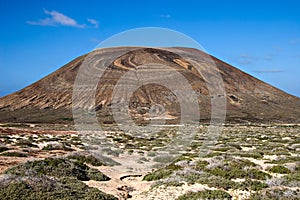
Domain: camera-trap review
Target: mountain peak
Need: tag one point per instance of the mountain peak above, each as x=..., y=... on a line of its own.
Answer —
x=49, y=100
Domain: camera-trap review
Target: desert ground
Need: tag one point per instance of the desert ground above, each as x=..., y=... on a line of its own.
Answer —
x=253, y=161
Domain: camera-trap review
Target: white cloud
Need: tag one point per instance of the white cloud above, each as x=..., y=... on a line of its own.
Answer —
x=165, y=16
x=56, y=19
x=94, y=22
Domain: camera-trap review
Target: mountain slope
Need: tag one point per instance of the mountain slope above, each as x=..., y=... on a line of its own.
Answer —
x=49, y=100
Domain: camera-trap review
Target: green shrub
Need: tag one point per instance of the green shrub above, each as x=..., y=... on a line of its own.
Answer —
x=118, y=139
x=13, y=154
x=26, y=143
x=286, y=160
x=235, y=168
x=67, y=119
x=293, y=178
x=158, y=174
x=279, y=169
x=206, y=194
x=237, y=146
x=51, y=178
x=94, y=174
x=130, y=151
x=191, y=177
x=248, y=184
x=185, y=157
x=45, y=188
x=222, y=149
x=89, y=159
x=212, y=154
x=228, y=174
x=257, y=174
x=51, y=147
x=57, y=167
x=162, y=173
x=167, y=183
x=2, y=149
x=255, y=155
x=217, y=182
x=201, y=164
x=149, y=154
x=275, y=194
x=6, y=140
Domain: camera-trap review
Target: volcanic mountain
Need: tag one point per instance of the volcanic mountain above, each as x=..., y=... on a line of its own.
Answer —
x=51, y=99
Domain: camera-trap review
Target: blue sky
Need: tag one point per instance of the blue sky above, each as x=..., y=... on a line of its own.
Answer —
x=261, y=38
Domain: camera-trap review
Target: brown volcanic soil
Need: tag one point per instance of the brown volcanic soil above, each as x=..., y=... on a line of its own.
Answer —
x=248, y=99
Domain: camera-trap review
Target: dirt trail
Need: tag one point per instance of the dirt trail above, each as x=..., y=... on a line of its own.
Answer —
x=131, y=185
x=126, y=179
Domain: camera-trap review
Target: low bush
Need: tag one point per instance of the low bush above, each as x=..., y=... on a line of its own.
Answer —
x=279, y=169
x=26, y=143
x=222, y=149
x=161, y=173
x=217, y=182
x=13, y=154
x=236, y=168
x=201, y=164
x=275, y=194
x=89, y=159
x=257, y=174
x=286, y=160
x=255, y=155
x=249, y=184
x=94, y=174
x=3, y=148
x=45, y=188
x=206, y=194
x=57, y=167
x=158, y=174
x=212, y=154
x=51, y=147
x=292, y=179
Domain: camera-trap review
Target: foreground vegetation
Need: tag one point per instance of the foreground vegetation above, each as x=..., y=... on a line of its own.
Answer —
x=256, y=162
x=51, y=178
x=261, y=162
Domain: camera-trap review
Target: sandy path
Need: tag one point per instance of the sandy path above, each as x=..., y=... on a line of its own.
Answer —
x=132, y=184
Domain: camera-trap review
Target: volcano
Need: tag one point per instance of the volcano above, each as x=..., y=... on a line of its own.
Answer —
x=247, y=99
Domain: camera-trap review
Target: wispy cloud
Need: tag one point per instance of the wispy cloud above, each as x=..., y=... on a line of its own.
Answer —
x=94, y=22
x=295, y=41
x=297, y=55
x=277, y=49
x=268, y=58
x=165, y=16
x=56, y=19
x=246, y=59
x=95, y=40
x=268, y=71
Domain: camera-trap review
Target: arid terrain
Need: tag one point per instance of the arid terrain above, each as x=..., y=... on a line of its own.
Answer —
x=247, y=162
x=50, y=149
